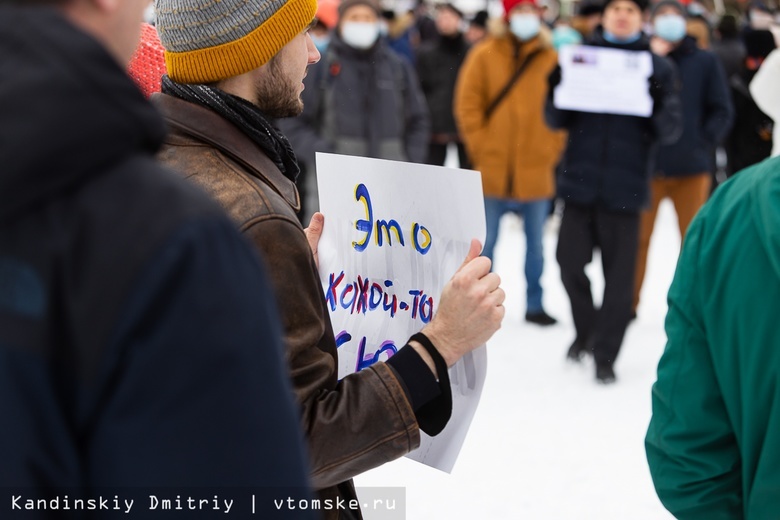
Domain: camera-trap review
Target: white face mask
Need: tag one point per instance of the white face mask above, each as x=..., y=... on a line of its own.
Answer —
x=524, y=25
x=360, y=35
x=760, y=20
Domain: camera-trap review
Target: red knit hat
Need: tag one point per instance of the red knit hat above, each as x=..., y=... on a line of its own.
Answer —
x=511, y=4
x=147, y=65
x=327, y=12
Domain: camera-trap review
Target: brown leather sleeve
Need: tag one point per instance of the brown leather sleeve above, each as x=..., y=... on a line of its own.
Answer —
x=354, y=424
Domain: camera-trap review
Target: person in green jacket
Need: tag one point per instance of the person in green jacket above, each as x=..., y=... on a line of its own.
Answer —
x=713, y=441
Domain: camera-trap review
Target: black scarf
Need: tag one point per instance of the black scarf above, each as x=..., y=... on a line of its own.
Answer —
x=245, y=116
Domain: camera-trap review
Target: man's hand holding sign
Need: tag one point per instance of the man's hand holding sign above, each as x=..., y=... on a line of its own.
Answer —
x=395, y=280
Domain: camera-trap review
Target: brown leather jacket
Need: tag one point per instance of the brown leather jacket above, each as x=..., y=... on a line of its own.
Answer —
x=354, y=424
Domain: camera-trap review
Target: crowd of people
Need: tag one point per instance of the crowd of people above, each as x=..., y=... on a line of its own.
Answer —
x=160, y=295
x=490, y=101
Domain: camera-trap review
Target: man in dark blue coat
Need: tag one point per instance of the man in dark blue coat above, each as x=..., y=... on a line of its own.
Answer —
x=604, y=183
x=140, y=349
x=683, y=170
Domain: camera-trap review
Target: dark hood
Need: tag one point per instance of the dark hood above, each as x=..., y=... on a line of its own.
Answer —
x=69, y=111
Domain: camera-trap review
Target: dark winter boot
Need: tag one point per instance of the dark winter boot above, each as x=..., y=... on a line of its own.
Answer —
x=540, y=318
x=577, y=351
x=605, y=375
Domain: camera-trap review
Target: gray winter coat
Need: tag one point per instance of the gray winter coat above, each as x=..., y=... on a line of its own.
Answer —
x=367, y=103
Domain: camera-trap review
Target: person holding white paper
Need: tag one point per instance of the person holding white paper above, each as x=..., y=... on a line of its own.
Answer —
x=230, y=70
x=604, y=183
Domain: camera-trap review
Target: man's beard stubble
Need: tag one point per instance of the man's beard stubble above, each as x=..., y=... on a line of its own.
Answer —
x=277, y=98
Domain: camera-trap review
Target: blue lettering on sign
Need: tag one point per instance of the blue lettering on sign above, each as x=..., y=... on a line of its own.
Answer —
x=366, y=226
x=362, y=295
x=342, y=337
x=366, y=360
x=381, y=229
x=426, y=245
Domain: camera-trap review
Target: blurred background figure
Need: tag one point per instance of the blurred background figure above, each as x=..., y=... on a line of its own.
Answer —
x=565, y=34
x=697, y=23
x=683, y=170
x=478, y=27
x=765, y=90
x=327, y=17
x=730, y=50
x=399, y=28
x=424, y=22
x=728, y=46
x=438, y=64
x=759, y=17
x=499, y=108
x=588, y=18
x=750, y=141
x=361, y=98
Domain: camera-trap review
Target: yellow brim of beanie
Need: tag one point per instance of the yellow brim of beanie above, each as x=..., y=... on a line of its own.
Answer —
x=247, y=53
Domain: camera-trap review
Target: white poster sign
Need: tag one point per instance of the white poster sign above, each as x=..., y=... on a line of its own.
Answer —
x=604, y=81
x=395, y=233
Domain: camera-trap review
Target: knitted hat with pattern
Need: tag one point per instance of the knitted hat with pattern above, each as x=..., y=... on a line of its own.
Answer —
x=212, y=40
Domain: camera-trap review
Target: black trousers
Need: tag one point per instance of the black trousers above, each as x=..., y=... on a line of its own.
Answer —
x=584, y=228
x=437, y=153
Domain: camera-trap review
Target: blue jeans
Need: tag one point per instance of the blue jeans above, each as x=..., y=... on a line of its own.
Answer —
x=534, y=214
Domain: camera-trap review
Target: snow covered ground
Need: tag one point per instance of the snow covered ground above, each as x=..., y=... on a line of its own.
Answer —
x=547, y=441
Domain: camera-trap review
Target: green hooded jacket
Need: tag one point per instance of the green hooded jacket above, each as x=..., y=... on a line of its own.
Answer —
x=713, y=444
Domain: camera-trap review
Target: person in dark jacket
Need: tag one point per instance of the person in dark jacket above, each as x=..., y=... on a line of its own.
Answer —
x=139, y=340
x=750, y=141
x=438, y=63
x=604, y=183
x=221, y=139
x=728, y=46
x=361, y=98
x=683, y=170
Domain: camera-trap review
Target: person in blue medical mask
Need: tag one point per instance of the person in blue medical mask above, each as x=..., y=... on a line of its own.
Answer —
x=683, y=170
x=604, y=182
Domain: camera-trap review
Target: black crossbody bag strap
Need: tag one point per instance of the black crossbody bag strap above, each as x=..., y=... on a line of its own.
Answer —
x=501, y=95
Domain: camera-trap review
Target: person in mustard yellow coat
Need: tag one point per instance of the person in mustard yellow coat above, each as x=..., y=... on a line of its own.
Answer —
x=506, y=136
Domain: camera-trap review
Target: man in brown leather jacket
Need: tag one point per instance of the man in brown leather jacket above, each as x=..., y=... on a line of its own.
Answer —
x=231, y=65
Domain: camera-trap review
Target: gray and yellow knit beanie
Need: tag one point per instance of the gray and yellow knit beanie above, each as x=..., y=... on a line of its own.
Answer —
x=212, y=40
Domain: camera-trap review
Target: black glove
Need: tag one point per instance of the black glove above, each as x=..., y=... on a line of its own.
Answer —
x=554, y=79
x=656, y=92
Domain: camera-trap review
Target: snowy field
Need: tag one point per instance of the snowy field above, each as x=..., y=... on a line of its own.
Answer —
x=548, y=442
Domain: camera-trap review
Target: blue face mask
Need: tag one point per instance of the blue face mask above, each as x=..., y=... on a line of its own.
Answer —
x=524, y=25
x=670, y=27
x=321, y=42
x=611, y=38
x=564, y=35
